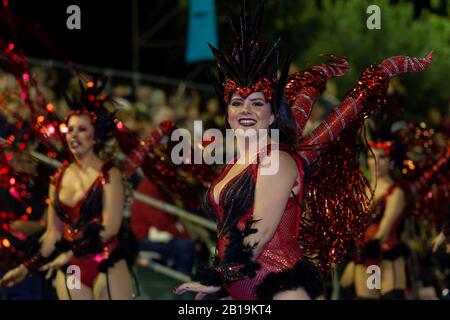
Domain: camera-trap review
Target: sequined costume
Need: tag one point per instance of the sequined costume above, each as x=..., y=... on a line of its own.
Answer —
x=335, y=192
x=81, y=231
x=281, y=258
x=80, y=222
x=390, y=249
x=319, y=226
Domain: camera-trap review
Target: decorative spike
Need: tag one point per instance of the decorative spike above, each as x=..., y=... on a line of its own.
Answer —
x=257, y=60
x=270, y=54
x=258, y=21
x=250, y=62
x=283, y=79
x=233, y=23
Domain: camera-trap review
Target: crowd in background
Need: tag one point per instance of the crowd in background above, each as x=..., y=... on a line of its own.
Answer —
x=141, y=108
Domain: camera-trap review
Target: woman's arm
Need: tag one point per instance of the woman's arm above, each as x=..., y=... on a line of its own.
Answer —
x=53, y=232
x=113, y=199
x=394, y=207
x=271, y=196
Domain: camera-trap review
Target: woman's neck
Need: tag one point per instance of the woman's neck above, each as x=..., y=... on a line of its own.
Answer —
x=88, y=160
x=249, y=148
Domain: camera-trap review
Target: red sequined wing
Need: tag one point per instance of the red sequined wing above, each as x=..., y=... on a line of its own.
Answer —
x=336, y=203
x=303, y=88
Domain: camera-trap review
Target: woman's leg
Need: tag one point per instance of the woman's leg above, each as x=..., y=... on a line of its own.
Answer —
x=115, y=284
x=394, y=284
x=361, y=288
x=348, y=276
x=297, y=294
x=400, y=273
x=387, y=276
x=347, y=282
x=64, y=293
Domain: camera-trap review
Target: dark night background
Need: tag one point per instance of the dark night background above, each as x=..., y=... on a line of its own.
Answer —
x=105, y=38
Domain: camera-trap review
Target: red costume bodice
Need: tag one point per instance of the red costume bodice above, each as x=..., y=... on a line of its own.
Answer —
x=282, y=252
x=77, y=219
x=377, y=213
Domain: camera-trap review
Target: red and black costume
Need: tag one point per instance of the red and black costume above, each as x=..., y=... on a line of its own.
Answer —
x=325, y=228
x=372, y=251
x=83, y=222
x=281, y=264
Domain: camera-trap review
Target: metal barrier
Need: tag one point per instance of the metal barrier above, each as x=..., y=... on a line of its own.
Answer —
x=166, y=207
x=122, y=74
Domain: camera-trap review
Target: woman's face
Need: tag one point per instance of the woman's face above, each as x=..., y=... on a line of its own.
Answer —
x=378, y=165
x=80, y=136
x=252, y=112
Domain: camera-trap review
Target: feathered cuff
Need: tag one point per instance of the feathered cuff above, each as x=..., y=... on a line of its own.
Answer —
x=230, y=272
x=63, y=245
x=35, y=262
x=208, y=277
x=227, y=272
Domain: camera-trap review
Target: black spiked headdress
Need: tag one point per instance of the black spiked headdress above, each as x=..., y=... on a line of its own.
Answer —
x=251, y=66
x=91, y=102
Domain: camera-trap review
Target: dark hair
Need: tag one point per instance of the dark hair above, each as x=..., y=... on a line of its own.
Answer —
x=380, y=129
x=285, y=122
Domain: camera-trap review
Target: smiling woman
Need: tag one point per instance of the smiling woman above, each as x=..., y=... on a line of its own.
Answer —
x=269, y=245
x=251, y=112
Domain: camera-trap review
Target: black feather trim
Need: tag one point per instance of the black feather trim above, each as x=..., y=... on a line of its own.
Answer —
x=400, y=250
x=396, y=294
x=371, y=251
x=90, y=242
x=302, y=275
x=35, y=262
x=113, y=258
x=63, y=245
x=208, y=276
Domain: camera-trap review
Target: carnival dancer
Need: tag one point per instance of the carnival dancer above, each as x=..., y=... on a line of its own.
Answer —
x=260, y=219
x=85, y=211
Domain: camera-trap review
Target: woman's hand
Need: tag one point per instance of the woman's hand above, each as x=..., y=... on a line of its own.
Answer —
x=14, y=276
x=202, y=290
x=27, y=227
x=438, y=241
x=56, y=264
